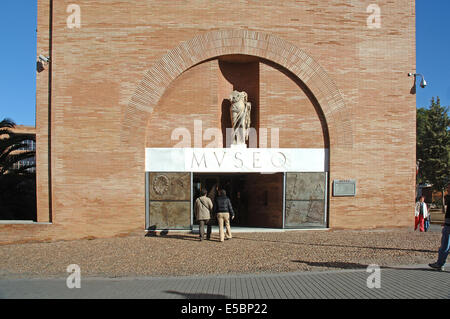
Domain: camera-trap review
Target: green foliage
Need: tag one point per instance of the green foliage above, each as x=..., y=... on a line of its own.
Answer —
x=10, y=144
x=433, y=144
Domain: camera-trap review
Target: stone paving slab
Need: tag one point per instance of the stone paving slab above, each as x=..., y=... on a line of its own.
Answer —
x=403, y=282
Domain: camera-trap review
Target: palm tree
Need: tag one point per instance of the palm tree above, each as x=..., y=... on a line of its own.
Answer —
x=11, y=149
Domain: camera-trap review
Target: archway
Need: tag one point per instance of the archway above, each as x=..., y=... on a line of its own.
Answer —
x=227, y=42
x=211, y=45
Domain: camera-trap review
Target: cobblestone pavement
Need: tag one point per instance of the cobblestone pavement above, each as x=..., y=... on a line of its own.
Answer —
x=401, y=282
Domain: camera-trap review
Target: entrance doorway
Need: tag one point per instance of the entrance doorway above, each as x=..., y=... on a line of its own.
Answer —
x=294, y=200
x=257, y=198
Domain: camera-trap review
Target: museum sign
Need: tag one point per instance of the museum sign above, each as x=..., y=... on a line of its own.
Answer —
x=236, y=159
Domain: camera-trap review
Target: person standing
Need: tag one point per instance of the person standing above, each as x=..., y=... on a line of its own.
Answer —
x=427, y=222
x=445, y=243
x=224, y=210
x=421, y=212
x=203, y=207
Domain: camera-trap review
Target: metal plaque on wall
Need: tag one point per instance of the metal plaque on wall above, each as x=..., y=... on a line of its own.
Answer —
x=344, y=187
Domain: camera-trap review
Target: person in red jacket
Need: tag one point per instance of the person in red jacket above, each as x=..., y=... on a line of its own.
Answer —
x=421, y=213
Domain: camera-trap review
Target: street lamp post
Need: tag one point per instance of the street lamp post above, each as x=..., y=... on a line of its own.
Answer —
x=423, y=83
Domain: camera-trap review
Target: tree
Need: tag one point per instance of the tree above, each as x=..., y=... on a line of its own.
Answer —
x=422, y=118
x=433, y=145
x=11, y=145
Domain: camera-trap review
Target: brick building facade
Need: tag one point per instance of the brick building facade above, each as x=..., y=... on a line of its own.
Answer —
x=133, y=71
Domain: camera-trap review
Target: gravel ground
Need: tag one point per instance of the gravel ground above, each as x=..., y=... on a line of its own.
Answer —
x=184, y=254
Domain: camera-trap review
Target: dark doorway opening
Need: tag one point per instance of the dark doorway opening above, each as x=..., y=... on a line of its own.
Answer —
x=257, y=199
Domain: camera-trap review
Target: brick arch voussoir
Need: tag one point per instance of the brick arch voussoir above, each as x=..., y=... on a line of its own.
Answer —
x=217, y=43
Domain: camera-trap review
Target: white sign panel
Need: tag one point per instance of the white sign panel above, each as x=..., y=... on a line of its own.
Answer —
x=236, y=159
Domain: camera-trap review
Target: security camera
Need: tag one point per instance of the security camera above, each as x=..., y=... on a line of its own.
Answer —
x=42, y=62
x=44, y=58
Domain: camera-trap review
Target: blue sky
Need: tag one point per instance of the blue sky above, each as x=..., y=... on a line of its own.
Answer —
x=18, y=61
x=18, y=56
x=433, y=50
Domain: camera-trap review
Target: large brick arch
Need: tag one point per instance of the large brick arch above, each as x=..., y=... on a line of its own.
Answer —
x=224, y=42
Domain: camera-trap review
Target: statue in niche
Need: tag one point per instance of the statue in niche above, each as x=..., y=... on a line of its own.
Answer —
x=240, y=117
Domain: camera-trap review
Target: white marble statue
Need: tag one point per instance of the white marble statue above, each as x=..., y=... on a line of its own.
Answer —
x=240, y=117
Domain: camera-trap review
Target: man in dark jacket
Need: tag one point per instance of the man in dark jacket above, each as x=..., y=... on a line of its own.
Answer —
x=224, y=210
x=445, y=243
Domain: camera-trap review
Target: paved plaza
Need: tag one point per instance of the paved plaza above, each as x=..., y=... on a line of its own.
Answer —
x=282, y=265
x=403, y=282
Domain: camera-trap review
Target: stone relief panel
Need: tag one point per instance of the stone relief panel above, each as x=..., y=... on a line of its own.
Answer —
x=170, y=215
x=305, y=200
x=170, y=186
x=305, y=186
x=304, y=213
x=170, y=200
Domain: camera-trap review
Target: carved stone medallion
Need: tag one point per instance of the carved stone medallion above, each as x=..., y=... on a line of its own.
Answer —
x=161, y=184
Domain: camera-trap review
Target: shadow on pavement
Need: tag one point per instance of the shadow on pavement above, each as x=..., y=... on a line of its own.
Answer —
x=335, y=245
x=346, y=265
x=197, y=296
x=332, y=264
x=165, y=234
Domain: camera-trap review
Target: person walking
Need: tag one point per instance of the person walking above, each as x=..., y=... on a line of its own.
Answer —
x=203, y=207
x=224, y=210
x=445, y=243
x=427, y=222
x=421, y=212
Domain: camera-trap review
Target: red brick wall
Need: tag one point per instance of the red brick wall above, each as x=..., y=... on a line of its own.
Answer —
x=97, y=181
x=43, y=126
x=192, y=96
x=285, y=106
